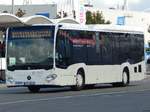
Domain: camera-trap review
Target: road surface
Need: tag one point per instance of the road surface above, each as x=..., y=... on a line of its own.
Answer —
x=103, y=98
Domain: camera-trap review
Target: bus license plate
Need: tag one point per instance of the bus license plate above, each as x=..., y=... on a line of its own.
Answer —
x=29, y=83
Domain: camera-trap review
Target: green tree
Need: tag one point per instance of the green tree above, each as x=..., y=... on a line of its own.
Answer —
x=89, y=19
x=99, y=18
x=108, y=22
x=95, y=18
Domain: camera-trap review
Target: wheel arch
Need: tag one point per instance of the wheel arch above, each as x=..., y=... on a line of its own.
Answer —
x=127, y=70
x=81, y=69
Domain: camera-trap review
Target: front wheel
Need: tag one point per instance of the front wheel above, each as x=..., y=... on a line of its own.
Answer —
x=34, y=89
x=79, y=82
x=125, y=78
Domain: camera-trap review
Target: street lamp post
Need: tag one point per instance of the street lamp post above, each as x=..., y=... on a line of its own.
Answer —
x=12, y=10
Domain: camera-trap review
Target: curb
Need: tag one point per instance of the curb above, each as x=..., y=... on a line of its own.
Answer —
x=3, y=86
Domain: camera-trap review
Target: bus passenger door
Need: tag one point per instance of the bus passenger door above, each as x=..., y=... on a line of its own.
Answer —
x=93, y=57
x=108, y=69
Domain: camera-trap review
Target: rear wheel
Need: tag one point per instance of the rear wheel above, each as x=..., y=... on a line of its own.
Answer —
x=34, y=89
x=79, y=82
x=125, y=78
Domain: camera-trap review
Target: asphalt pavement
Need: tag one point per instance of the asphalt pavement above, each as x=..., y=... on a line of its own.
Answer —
x=103, y=98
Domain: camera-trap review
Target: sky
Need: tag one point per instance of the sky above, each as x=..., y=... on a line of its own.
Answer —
x=137, y=5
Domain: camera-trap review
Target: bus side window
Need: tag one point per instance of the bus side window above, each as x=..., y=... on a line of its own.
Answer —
x=97, y=42
x=106, y=48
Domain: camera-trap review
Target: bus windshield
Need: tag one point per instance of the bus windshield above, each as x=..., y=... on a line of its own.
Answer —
x=30, y=48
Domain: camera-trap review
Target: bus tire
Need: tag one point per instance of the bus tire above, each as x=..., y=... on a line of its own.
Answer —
x=34, y=89
x=80, y=82
x=125, y=78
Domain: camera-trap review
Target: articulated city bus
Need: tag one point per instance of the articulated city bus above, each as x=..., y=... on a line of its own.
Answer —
x=73, y=55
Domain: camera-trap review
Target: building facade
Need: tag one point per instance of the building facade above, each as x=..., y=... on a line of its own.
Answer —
x=49, y=10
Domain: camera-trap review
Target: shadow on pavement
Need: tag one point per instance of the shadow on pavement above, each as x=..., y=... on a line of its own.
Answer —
x=24, y=90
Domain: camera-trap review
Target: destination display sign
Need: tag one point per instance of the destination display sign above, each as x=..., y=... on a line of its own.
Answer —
x=32, y=34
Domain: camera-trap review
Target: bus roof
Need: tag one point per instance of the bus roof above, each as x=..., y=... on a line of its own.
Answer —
x=104, y=28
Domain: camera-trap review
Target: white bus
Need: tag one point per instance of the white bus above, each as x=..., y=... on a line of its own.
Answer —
x=73, y=55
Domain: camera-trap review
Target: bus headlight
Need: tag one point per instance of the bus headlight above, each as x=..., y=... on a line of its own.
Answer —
x=51, y=77
x=10, y=79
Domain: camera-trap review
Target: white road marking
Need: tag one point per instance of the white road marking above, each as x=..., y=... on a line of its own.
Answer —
x=69, y=97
